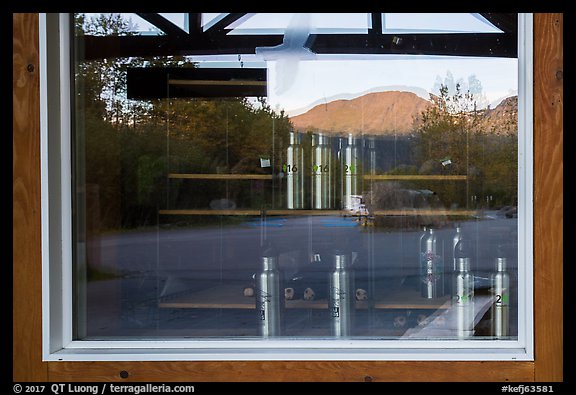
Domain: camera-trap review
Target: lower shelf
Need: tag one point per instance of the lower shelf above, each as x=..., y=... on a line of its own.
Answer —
x=231, y=297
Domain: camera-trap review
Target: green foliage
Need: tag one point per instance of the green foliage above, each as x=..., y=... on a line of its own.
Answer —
x=456, y=138
x=127, y=148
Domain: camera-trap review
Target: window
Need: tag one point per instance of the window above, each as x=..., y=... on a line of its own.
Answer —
x=297, y=185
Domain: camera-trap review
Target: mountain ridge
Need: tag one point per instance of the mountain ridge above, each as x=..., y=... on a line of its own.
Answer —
x=385, y=113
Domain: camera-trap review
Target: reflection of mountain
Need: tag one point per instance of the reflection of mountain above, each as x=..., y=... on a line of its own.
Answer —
x=374, y=113
x=497, y=119
x=350, y=96
x=385, y=113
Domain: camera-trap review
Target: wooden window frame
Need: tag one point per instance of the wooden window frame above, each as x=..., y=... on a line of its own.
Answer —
x=548, y=252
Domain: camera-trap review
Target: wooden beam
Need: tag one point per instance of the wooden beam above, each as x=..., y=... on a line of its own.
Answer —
x=548, y=194
x=327, y=371
x=26, y=241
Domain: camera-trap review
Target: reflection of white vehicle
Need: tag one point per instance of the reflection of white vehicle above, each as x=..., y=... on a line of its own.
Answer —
x=357, y=206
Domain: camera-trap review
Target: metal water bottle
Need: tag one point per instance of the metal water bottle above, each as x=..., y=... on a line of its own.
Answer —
x=322, y=193
x=457, y=237
x=269, y=296
x=341, y=296
x=295, y=173
x=350, y=161
x=431, y=270
x=371, y=156
x=370, y=163
x=500, y=312
x=463, y=294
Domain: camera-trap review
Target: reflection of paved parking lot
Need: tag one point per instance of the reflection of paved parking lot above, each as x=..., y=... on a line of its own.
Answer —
x=173, y=261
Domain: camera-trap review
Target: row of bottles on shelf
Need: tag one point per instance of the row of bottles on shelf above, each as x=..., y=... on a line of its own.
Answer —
x=432, y=282
x=321, y=173
x=342, y=291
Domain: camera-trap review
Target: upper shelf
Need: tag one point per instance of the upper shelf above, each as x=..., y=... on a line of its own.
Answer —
x=272, y=212
x=370, y=177
x=415, y=177
x=221, y=176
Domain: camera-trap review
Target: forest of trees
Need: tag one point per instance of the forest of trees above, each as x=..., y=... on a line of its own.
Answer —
x=125, y=149
x=455, y=137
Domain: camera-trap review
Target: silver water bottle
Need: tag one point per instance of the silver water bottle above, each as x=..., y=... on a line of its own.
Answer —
x=463, y=297
x=370, y=163
x=269, y=296
x=341, y=300
x=295, y=173
x=322, y=188
x=350, y=164
x=371, y=156
x=500, y=312
x=431, y=268
x=457, y=237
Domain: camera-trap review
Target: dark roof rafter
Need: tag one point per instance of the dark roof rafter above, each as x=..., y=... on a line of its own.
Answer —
x=163, y=24
x=216, y=41
x=508, y=23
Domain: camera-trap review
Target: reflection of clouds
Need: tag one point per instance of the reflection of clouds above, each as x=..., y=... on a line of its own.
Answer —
x=331, y=77
x=288, y=54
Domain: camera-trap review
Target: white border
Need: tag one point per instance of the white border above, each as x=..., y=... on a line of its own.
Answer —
x=57, y=279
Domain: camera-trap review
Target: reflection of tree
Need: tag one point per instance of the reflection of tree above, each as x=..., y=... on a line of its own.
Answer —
x=125, y=148
x=454, y=137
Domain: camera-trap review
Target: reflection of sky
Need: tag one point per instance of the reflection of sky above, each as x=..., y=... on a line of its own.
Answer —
x=303, y=82
x=330, y=77
x=319, y=81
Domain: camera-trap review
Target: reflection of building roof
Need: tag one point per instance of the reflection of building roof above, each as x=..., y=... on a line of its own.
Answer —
x=484, y=34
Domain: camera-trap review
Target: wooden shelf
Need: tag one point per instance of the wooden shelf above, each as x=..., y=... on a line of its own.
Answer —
x=375, y=177
x=210, y=212
x=283, y=212
x=415, y=177
x=231, y=297
x=428, y=212
x=220, y=176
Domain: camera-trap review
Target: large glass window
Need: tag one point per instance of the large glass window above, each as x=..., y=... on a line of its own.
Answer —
x=308, y=176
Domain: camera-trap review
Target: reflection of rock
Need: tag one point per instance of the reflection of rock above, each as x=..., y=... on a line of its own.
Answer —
x=289, y=293
x=361, y=294
x=309, y=294
x=222, y=204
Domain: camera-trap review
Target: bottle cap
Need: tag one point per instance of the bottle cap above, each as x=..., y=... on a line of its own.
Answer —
x=321, y=139
x=500, y=264
x=269, y=263
x=463, y=264
x=340, y=260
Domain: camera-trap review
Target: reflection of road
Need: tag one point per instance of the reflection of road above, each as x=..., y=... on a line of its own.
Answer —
x=203, y=256
x=238, y=247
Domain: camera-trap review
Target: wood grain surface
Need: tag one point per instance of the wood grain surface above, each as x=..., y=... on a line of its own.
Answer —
x=26, y=242
x=215, y=371
x=548, y=195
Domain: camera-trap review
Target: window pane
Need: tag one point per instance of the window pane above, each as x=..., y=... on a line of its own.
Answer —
x=306, y=195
